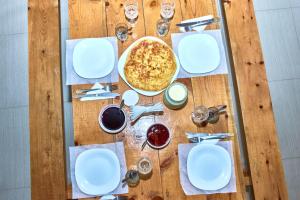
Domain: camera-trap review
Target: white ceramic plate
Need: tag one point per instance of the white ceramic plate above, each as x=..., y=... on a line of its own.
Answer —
x=199, y=53
x=122, y=62
x=97, y=171
x=209, y=167
x=93, y=58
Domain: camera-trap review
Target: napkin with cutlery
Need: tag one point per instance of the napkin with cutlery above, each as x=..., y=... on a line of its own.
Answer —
x=197, y=28
x=100, y=91
x=117, y=147
x=72, y=78
x=188, y=188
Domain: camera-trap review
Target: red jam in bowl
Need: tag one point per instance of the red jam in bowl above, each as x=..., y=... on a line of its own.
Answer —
x=158, y=135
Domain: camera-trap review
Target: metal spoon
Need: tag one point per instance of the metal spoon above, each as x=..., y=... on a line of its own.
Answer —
x=122, y=104
x=145, y=143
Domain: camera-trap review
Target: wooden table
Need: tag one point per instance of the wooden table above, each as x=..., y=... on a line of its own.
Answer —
x=98, y=19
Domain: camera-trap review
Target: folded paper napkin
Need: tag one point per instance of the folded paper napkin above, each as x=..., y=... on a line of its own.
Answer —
x=74, y=79
x=95, y=86
x=197, y=28
x=117, y=147
x=223, y=67
x=188, y=188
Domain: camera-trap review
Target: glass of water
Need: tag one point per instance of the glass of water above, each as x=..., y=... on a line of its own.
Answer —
x=131, y=11
x=162, y=27
x=121, y=31
x=167, y=9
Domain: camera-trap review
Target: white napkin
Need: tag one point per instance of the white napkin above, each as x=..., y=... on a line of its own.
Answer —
x=188, y=188
x=198, y=28
x=117, y=147
x=95, y=86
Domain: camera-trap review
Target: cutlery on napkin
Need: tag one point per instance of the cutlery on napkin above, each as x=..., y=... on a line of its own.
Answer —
x=200, y=137
x=197, y=28
x=97, y=94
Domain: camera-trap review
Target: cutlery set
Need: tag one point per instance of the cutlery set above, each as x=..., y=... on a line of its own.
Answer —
x=188, y=26
x=103, y=91
x=200, y=137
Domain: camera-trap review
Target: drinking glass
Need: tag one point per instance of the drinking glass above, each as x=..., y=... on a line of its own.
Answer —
x=200, y=116
x=121, y=31
x=167, y=9
x=131, y=11
x=162, y=27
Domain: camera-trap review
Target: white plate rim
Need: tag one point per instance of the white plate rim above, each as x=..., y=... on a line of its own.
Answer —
x=97, y=150
x=229, y=163
x=111, y=48
x=122, y=61
x=180, y=56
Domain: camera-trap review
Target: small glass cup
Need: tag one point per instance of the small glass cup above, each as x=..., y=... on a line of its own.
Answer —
x=162, y=27
x=144, y=167
x=131, y=11
x=167, y=9
x=121, y=31
x=200, y=116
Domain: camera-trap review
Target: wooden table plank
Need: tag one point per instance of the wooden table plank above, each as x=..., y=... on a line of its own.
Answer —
x=87, y=19
x=151, y=188
x=208, y=91
x=47, y=154
x=255, y=102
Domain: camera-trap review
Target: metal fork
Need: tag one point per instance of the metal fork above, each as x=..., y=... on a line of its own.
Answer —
x=107, y=88
x=211, y=137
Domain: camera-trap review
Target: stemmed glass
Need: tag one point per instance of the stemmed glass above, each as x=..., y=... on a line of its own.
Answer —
x=131, y=11
x=167, y=9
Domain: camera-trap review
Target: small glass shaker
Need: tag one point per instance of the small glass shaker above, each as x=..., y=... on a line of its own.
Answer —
x=214, y=113
x=200, y=116
x=132, y=178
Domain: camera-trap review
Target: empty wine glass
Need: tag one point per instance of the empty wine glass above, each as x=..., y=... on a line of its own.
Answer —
x=131, y=11
x=167, y=9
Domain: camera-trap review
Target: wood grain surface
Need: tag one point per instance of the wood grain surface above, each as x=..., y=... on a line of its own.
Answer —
x=48, y=178
x=97, y=18
x=255, y=102
x=210, y=91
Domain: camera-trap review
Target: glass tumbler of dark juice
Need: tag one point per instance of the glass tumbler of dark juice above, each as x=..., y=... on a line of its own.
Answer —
x=112, y=119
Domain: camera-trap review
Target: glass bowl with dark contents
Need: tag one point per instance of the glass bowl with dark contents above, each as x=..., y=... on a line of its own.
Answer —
x=112, y=119
x=158, y=136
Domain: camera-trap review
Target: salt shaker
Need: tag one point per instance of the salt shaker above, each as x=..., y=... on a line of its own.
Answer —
x=132, y=178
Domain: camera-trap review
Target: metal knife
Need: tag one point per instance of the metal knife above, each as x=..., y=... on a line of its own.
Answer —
x=198, y=137
x=203, y=22
x=191, y=135
x=104, y=94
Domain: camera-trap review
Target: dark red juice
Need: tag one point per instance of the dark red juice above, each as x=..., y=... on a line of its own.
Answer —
x=158, y=135
x=113, y=118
